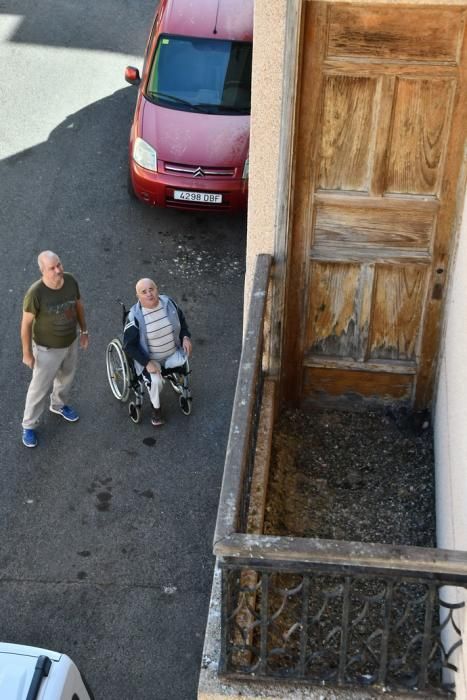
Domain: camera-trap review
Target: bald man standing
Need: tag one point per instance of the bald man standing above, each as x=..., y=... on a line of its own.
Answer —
x=156, y=335
x=52, y=312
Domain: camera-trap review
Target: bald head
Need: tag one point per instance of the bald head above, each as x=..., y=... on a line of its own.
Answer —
x=45, y=257
x=147, y=293
x=51, y=269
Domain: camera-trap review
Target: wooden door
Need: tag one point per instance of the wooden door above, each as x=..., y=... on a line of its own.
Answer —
x=381, y=126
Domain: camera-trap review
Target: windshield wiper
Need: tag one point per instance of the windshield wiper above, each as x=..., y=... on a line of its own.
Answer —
x=164, y=95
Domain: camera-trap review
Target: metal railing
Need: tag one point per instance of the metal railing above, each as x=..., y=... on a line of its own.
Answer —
x=338, y=617
x=323, y=611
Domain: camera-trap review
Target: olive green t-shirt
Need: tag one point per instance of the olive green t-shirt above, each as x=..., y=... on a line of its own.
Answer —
x=55, y=320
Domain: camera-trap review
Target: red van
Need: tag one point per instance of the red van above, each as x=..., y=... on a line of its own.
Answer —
x=190, y=134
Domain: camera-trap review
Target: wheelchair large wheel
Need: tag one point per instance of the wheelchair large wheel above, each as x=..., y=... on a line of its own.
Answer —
x=118, y=370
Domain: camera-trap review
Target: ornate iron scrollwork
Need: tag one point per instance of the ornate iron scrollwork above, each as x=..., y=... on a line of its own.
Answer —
x=339, y=629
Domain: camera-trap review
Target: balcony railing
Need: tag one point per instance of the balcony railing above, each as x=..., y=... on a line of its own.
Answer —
x=321, y=611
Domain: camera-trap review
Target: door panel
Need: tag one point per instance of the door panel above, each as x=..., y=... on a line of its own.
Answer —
x=396, y=316
x=333, y=310
x=348, y=110
x=421, y=113
x=373, y=225
x=339, y=385
x=395, y=32
x=379, y=140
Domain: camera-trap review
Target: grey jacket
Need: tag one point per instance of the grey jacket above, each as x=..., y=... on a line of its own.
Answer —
x=135, y=341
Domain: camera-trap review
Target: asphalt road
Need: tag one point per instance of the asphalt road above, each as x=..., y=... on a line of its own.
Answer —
x=106, y=526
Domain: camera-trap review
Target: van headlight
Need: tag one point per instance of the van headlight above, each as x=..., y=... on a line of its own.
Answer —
x=144, y=155
x=246, y=168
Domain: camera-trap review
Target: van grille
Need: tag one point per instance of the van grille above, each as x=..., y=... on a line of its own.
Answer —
x=197, y=171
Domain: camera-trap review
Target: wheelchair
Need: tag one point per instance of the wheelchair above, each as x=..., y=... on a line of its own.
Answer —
x=123, y=378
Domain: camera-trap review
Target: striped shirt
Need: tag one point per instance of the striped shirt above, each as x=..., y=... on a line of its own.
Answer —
x=161, y=343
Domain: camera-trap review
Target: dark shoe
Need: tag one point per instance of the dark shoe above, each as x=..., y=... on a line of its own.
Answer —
x=156, y=418
x=66, y=412
x=29, y=437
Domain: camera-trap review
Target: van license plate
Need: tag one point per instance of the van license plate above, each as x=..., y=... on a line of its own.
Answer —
x=204, y=197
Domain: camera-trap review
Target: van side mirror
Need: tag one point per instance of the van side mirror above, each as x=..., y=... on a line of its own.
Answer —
x=132, y=75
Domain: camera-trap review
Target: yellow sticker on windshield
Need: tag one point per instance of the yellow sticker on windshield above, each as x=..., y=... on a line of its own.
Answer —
x=165, y=41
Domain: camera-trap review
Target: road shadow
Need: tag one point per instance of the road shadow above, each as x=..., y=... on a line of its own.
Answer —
x=69, y=194
x=116, y=26
x=108, y=554
x=56, y=194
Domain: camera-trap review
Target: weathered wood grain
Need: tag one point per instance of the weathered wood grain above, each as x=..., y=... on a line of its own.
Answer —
x=309, y=119
x=319, y=382
x=420, y=131
x=386, y=226
x=341, y=363
x=333, y=312
x=347, y=123
x=380, y=130
x=398, y=297
x=395, y=32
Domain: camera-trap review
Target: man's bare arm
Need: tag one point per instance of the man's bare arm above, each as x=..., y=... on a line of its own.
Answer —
x=26, y=338
x=84, y=337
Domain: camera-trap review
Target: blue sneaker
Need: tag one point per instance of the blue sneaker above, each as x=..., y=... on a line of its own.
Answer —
x=29, y=437
x=66, y=412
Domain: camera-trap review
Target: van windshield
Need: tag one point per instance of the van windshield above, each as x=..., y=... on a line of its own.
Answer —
x=208, y=75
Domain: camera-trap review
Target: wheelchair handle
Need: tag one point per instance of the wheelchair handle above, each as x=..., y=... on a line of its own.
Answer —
x=125, y=311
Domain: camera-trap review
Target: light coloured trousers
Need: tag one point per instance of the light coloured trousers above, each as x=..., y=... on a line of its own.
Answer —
x=53, y=368
x=156, y=381
x=154, y=387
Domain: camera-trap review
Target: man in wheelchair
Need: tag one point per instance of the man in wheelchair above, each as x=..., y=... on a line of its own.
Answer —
x=156, y=337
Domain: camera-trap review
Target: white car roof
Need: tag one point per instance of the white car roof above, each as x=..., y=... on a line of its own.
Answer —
x=17, y=664
x=23, y=649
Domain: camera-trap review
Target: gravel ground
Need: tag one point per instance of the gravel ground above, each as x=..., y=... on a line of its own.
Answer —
x=365, y=477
